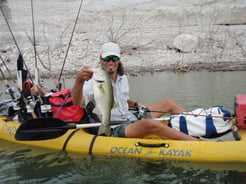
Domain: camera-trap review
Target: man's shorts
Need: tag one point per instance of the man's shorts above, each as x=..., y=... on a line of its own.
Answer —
x=119, y=131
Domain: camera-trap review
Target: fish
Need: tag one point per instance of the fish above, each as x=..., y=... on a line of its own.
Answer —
x=104, y=98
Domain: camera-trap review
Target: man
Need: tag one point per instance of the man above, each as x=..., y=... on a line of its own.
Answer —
x=110, y=61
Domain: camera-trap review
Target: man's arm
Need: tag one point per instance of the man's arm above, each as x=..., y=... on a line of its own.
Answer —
x=77, y=91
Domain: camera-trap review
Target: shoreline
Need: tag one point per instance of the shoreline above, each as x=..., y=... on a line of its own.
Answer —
x=192, y=67
x=149, y=69
x=146, y=32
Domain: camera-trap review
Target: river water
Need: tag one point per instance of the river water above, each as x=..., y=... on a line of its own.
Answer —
x=25, y=164
x=190, y=90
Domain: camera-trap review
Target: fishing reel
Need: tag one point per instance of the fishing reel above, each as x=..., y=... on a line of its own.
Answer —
x=16, y=99
x=30, y=105
x=142, y=112
x=16, y=105
x=45, y=106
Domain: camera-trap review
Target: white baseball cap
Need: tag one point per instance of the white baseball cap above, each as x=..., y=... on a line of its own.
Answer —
x=110, y=49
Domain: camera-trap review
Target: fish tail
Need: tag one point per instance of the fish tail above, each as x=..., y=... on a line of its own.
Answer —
x=104, y=130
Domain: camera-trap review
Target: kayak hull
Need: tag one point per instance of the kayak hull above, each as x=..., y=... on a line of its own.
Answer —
x=80, y=141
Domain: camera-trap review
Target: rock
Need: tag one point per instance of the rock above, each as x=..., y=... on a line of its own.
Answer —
x=185, y=42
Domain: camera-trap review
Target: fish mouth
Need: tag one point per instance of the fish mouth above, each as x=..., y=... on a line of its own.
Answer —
x=99, y=81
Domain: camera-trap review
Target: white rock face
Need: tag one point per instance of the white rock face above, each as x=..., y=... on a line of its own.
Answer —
x=208, y=32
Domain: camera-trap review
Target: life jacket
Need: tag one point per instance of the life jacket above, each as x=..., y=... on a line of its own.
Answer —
x=63, y=108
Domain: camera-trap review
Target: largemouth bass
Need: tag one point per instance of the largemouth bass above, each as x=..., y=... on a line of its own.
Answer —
x=104, y=97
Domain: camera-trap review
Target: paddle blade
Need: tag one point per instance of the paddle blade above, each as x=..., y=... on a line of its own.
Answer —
x=41, y=129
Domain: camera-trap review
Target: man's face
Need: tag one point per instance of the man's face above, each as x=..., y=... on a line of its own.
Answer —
x=110, y=63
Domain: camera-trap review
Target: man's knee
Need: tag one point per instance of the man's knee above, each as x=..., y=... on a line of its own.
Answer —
x=168, y=101
x=150, y=124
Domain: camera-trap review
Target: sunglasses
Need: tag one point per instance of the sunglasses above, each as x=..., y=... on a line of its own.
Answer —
x=113, y=58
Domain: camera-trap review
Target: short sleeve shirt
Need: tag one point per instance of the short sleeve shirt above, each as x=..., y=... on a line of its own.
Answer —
x=120, y=111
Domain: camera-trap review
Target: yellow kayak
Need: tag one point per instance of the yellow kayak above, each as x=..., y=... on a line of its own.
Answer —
x=80, y=141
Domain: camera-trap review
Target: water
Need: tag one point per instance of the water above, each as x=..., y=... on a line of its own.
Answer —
x=190, y=90
x=20, y=164
x=25, y=164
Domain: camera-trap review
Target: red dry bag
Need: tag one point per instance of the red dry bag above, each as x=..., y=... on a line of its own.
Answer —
x=63, y=107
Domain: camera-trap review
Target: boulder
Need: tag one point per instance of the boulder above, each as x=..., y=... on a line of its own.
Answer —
x=185, y=42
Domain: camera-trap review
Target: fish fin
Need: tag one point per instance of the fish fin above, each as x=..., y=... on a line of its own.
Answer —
x=114, y=105
x=101, y=89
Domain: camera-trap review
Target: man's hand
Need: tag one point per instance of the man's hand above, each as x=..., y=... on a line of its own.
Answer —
x=85, y=74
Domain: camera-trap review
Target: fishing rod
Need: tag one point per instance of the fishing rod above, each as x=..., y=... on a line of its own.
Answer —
x=34, y=47
x=17, y=99
x=26, y=101
x=17, y=107
x=6, y=67
x=35, y=102
x=5, y=80
x=69, y=44
x=21, y=105
x=143, y=109
x=16, y=44
x=191, y=114
x=19, y=67
x=10, y=29
x=9, y=89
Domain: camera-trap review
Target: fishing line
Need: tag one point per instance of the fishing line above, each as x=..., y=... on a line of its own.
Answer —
x=16, y=44
x=69, y=44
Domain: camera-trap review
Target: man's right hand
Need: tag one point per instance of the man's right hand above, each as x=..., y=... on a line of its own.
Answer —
x=85, y=74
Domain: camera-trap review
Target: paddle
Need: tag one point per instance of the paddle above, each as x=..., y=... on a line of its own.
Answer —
x=46, y=128
x=49, y=128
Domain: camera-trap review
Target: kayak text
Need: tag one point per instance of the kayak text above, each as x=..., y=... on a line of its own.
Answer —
x=11, y=130
x=126, y=150
x=175, y=153
x=162, y=152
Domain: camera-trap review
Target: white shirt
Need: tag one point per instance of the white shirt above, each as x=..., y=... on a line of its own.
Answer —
x=120, y=112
